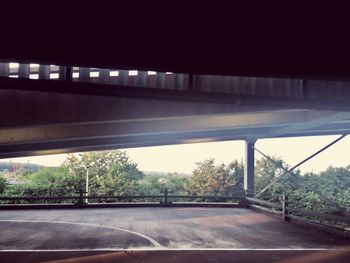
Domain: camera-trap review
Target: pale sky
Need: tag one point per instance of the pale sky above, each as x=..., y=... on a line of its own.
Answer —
x=182, y=158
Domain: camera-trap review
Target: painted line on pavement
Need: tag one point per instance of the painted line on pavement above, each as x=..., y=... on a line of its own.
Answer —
x=154, y=242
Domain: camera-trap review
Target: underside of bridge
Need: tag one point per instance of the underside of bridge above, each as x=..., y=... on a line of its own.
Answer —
x=221, y=76
x=95, y=84
x=58, y=109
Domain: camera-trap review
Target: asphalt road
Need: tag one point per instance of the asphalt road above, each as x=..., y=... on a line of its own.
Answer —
x=113, y=228
x=110, y=229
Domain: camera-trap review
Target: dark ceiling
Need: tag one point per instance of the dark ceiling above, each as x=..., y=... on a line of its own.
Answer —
x=255, y=40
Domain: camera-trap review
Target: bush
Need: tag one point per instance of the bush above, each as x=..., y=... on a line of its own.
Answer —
x=3, y=184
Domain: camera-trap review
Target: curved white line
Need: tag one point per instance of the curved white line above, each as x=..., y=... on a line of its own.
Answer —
x=154, y=242
x=173, y=249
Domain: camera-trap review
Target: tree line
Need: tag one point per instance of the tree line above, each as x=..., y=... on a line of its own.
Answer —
x=114, y=173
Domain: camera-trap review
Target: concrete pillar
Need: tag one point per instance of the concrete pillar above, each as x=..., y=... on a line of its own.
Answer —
x=142, y=79
x=23, y=71
x=84, y=74
x=123, y=76
x=4, y=69
x=249, y=168
x=65, y=73
x=104, y=76
x=44, y=72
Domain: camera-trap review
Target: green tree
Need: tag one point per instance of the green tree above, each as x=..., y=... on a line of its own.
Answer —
x=327, y=191
x=121, y=179
x=45, y=182
x=176, y=184
x=151, y=185
x=154, y=184
x=3, y=184
x=75, y=172
x=107, y=170
x=274, y=172
x=110, y=172
x=208, y=178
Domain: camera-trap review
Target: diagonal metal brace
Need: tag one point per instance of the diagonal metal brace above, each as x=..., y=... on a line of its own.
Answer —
x=289, y=171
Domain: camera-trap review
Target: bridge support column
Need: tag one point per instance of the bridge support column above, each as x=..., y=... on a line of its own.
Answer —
x=249, y=168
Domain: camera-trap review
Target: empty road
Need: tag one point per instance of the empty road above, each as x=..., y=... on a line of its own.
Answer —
x=156, y=229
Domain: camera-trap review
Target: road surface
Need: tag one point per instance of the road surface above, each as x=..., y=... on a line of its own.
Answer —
x=109, y=231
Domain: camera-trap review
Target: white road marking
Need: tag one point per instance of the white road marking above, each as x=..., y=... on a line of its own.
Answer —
x=173, y=249
x=157, y=246
x=154, y=242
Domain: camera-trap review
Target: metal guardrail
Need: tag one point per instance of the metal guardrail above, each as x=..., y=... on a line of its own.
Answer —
x=284, y=210
x=164, y=199
x=264, y=202
x=15, y=198
x=343, y=219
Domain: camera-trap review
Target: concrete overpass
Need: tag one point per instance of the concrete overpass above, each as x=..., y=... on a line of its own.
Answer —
x=54, y=109
x=240, y=73
x=234, y=79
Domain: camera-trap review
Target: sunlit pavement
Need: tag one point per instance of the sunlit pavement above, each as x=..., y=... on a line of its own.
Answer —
x=102, y=235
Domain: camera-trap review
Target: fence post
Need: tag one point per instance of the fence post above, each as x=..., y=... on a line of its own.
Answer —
x=81, y=200
x=166, y=196
x=245, y=204
x=284, y=207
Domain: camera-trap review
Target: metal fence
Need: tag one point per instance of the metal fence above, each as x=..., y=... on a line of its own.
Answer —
x=83, y=200
x=286, y=212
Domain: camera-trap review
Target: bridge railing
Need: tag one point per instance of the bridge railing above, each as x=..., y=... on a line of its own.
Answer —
x=286, y=212
x=82, y=199
x=282, y=208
